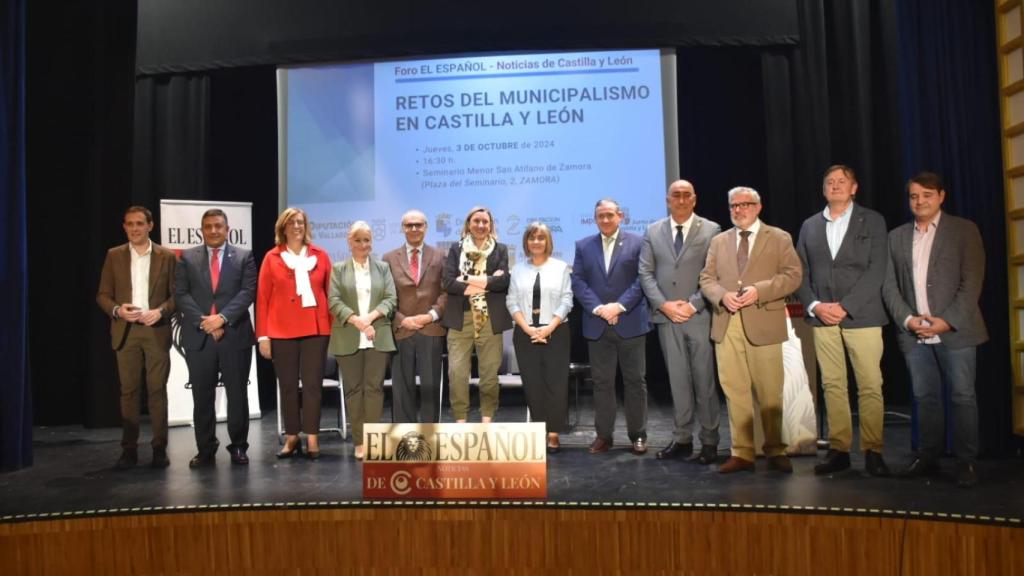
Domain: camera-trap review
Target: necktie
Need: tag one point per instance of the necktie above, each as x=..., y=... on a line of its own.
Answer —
x=414, y=266
x=608, y=248
x=214, y=276
x=743, y=253
x=679, y=239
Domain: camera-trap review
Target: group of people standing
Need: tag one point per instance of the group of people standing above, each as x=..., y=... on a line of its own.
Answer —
x=711, y=295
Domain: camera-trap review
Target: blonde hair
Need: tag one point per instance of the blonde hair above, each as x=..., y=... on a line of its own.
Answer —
x=469, y=216
x=357, y=226
x=280, y=238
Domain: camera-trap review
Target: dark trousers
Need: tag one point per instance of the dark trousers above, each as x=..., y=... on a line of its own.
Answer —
x=142, y=353
x=230, y=365
x=545, y=372
x=421, y=354
x=303, y=358
x=931, y=365
x=607, y=353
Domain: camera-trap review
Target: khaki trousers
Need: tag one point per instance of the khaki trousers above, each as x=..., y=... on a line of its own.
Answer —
x=744, y=370
x=831, y=343
x=362, y=376
x=460, y=358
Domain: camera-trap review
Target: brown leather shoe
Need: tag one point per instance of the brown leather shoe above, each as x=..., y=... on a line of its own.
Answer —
x=736, y=464
x=780, y=463
x=599, y=445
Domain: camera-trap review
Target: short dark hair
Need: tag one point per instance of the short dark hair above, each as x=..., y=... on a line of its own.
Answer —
x=213, y=212
x=929, y=180
x=612, y=201
x=847, y=171
x=141, y=209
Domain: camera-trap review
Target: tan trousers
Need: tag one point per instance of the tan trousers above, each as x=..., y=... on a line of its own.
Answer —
x=460, y=357
x=362, y=377
x=831, y=343
x=745, y=370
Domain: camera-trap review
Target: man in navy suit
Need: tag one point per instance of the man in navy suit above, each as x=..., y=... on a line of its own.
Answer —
x=216, y=285
x=606, y=281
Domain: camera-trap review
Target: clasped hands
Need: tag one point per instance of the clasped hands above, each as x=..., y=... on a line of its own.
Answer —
x=132, y=313
x=213, y=325
x=417, y=321
x=735, y=301
x=539, y=334
x=364, y=324
x=677, y=311
x=609, y=312
x=830, y=313
x=927, y=326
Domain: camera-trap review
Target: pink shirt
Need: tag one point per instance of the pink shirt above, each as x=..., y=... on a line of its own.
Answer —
x=923, y=241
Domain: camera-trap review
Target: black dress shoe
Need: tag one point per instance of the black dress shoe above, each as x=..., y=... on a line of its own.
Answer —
x=238, y=456
x=921, y=466
x=675, y=450
x=835, y=461
x=202, y=461
x=159, y=458
x=967, y=475
x=313, y=454
x=874, y=465
x=295, y=451
x=129, y=459
x=708, y=455
x=639, y=447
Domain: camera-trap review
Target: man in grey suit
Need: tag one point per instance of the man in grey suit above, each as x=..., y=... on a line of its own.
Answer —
x=671, y=259
x=937, y=265
x=844, y=253
x=216, y=284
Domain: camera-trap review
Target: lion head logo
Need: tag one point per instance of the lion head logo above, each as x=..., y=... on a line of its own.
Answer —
x=413, y=446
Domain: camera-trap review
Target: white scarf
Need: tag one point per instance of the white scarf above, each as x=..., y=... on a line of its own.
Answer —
x=479, y=266
x=301, y=264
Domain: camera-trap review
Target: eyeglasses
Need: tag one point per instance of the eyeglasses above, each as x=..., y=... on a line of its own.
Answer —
x=742, y=205
x=414, y=225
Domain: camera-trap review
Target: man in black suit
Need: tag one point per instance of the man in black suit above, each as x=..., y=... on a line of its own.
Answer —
x=932, y=291
x=216, y=285
x=843, y=250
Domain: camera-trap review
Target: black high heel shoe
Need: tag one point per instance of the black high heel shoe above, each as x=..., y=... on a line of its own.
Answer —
x=295, y=451
x=313, y=454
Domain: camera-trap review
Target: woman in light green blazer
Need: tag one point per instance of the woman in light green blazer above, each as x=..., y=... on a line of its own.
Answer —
x=362, y=299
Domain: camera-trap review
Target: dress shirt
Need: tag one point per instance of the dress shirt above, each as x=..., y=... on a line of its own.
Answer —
x=220, y=255
x=362, y=275
x=608, y=245
x=408, y=258
x=140, y=276
x=835, y=231
x=685, y=225
x=754, y=229
x=922, y=251
x=555, y=290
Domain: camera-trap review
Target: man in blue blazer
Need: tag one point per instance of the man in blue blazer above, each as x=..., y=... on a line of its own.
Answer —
x=606, y=281
x=932, y=291
x=216, y=284
x=844, y=252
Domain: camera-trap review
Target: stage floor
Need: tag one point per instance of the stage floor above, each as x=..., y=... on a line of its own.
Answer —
x=73, y=476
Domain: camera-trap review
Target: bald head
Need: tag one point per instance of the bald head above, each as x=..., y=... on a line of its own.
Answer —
x=681, y=200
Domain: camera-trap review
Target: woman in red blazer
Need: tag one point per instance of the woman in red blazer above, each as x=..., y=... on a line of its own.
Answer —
x=293, y=325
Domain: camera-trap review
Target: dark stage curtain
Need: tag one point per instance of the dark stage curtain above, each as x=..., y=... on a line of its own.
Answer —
x=949, y=110
x=211, y=136
x=15, y=394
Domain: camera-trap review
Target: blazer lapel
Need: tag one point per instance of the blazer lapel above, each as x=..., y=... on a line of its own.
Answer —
x=856, y=225
x=154, y=269
x=730, y=257
x=695, y=228
x=760, y=240
x=403, y=261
